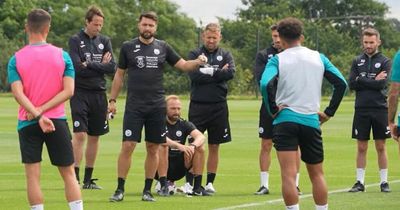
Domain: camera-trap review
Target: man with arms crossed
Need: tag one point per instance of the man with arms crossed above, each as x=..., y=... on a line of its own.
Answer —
x=208, y=108
x=296, y=115
x=368, y=77
x=265, y=120
x=42, y=79
x=143, y=59
x=176, y=158
x=91, y=54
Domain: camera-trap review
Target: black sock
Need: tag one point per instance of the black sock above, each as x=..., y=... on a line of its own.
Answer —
x=189, y=178
x=163, y=181
x=121, y=184
x=88, y=175
x=197, y=181
x=210, y=177
x=77, y=173
x=147, y=184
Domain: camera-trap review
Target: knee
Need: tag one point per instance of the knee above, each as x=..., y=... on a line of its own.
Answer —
x=362, y=148
x=380, y=148
x=152, y=149
x=266, y=146
x=200, y=149
x=128, y=147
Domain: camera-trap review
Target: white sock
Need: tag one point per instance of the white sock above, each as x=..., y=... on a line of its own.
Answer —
x=323, y=207
x=76, y=205
x=264, y=176
x=293, y=207
x=384, y=175
x=37, y=207
x=361, y=175
x=297, y=179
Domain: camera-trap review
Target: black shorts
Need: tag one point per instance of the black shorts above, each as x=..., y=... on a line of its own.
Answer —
x=176, y=167
x=211, y=117
x=290, y=136
x=265, y=123
x=152, y=118
x=363, y=121
x=89, y=112
x=58, y=143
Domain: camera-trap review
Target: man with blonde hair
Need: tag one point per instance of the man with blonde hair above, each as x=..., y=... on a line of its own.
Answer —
x=176, y=158
x=208, y=109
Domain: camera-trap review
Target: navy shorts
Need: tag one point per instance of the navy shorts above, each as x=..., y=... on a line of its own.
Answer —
x=213, y=117
x=363, y=121
x=265, y=123
x=58, y=143
x=290, y=136
x=152, y=118
x=89, y=112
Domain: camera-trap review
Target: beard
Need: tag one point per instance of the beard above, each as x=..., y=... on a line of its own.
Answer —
x=173, y=118
x=147, y=35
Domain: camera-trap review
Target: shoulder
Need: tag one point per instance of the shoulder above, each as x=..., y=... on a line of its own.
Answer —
x=383, y=58
x=104, y=38
x=75, y=37
x=359, y=57
x=129, y=43
x=196, y=51
x=185, y=122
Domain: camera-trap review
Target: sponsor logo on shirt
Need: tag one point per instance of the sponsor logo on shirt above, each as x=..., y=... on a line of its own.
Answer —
x=76, y=124
x=101, y=46
x=377, y=65
x=156, y=51
x=140, y=61
x=219, y=58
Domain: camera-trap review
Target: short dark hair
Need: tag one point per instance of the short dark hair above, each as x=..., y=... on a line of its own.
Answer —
x=290, y=29
x=37, y=20
x=371, y=32
x=92, y=11
x=273, y=27
x=150, y=15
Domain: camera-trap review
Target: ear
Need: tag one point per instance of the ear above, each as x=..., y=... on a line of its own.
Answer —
x=302, y=38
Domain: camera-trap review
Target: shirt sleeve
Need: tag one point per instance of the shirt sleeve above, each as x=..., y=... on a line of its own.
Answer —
x=123, y=61
x=268, y=85
x=12, y=70
x=172, y=56
x=259, y=67
x=333, y=75
x=396, y=68
x=69, y=66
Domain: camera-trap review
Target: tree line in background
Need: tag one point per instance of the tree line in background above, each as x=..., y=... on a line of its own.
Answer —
x=332, y=27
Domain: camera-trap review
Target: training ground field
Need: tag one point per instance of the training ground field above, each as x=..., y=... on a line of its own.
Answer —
x=237, y=178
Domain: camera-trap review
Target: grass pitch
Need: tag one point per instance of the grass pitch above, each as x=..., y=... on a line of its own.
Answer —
x=237, y=178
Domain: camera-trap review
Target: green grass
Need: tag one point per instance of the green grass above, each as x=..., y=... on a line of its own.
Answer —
x=238, y=173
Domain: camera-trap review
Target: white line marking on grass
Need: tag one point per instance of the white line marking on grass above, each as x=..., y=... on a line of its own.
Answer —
x=247, y=205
